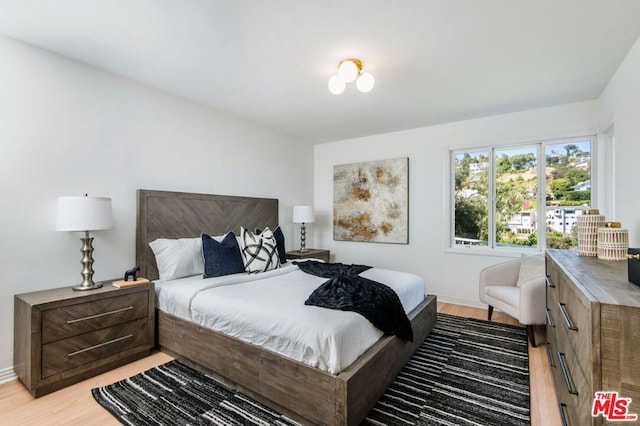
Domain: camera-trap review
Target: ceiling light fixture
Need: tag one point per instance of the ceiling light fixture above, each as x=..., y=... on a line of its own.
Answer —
x=348, y=70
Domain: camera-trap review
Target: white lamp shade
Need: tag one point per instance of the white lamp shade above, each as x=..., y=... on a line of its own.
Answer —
x=303, y=214
x=336, y=86
x=348, y=71
x=83, y=214
x=365, y=82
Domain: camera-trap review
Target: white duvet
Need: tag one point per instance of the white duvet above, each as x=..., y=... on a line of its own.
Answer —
x=268, y=310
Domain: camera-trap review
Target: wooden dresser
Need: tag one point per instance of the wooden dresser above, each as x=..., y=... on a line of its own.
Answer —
x=63, y=336
x=593, y=333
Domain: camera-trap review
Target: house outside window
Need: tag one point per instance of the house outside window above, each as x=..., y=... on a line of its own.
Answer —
x=523, y=196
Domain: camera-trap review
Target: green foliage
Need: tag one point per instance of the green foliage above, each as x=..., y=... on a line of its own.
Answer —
x=512, y=238
x=576, y=176
x=471, y=218
x=511, y=197
x=522, y=161
x=567, y=203
x=559, y=187
x=564, y=169
x=471, y=210
x=559, y=240
x=462, y=170
x=571, y=149
x=503, y=164
x=578, y=196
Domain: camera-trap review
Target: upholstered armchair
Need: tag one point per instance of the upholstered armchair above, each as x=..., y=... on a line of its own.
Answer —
x=516, y=287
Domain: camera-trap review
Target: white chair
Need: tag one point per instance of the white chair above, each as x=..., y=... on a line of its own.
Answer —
x=516, y=287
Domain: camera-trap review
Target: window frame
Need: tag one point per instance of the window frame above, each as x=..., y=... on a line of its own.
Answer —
x=541, y=163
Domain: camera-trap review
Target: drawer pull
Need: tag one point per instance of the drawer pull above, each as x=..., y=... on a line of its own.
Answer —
x=550, y=322
x=100, y=345
x=550, y=283
x=563, y=414
x=565, y=315
x=99, y=315
x=567, y=375
x=550, y=356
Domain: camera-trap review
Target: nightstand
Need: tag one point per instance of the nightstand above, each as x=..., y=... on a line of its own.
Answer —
x=311, y=253
x=63, y=336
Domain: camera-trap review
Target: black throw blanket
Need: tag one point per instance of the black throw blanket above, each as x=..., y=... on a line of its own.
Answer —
x=346, y=290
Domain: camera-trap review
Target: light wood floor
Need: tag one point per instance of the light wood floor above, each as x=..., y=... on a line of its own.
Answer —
x=75, y=405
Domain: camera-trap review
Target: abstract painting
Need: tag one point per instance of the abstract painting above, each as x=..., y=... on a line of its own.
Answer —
x=371, y=201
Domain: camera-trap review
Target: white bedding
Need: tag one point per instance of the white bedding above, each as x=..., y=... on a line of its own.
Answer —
x=268, y=310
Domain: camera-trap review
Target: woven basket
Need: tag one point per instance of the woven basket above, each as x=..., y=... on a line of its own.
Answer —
x=588, y=225
x=613, y=244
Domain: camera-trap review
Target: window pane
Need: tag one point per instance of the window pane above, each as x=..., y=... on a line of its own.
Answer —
x=516, y=196
x=471, y=198
x=568, y=181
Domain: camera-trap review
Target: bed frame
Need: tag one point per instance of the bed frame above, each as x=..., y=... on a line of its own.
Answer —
x=303, y=392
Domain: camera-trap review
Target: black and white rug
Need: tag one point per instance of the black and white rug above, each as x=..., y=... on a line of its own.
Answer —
x=467, y=372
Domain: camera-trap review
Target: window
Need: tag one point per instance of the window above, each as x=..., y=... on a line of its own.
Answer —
x=521, y=196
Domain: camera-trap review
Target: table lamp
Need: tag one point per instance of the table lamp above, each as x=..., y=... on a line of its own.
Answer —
x=303, y=214
x=84, y=214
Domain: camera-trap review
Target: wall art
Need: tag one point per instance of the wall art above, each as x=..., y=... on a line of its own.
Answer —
x=371, y=201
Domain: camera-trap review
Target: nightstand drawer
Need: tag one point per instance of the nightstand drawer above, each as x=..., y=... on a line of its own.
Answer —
x=63, y=336
x=85, y=348
x=323, y=255
x=61, y=323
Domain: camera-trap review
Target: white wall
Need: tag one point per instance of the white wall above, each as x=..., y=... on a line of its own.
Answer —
x=620, y=107
x=67, y=128
x=453, y=277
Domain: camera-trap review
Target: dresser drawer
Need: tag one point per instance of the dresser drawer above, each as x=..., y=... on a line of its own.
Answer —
x=552, y=273
x=572, y=384
x=82, y=349
x=61, y=323
x=551, y=288
x=551, y=308
x=554, y=367
x=573, y=314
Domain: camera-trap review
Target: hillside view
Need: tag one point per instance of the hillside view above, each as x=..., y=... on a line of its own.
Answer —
x=567, y=190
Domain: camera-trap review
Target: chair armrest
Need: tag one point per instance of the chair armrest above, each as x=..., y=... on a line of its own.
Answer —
x=533, y=301
x=505, y=274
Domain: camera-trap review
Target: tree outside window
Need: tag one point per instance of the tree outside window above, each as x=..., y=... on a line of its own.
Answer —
x=510, y=176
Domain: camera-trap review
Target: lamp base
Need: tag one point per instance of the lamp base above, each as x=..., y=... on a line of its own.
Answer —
x=83, y=287
x=303, y=237
x=87, y=265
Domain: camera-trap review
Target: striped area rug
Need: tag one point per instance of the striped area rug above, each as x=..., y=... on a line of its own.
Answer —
x=467, y=372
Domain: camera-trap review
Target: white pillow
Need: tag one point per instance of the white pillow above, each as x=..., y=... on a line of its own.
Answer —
x=178, y=258
x=531, y=267
x=259, y=252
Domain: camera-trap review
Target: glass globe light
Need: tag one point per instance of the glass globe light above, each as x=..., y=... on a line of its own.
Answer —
x=365, y=82
x=336, y=85
x=348, y=71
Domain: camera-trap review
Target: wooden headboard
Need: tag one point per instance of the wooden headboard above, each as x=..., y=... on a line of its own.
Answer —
x=164, y=214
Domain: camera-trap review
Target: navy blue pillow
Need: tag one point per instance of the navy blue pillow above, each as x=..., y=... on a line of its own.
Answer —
x=221, y=258
x=279, y=236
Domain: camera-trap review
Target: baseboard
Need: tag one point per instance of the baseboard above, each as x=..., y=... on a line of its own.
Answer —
x=463, y=302
x=7, y=375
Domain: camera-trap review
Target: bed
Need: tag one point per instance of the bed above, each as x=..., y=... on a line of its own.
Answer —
x=292, y=387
